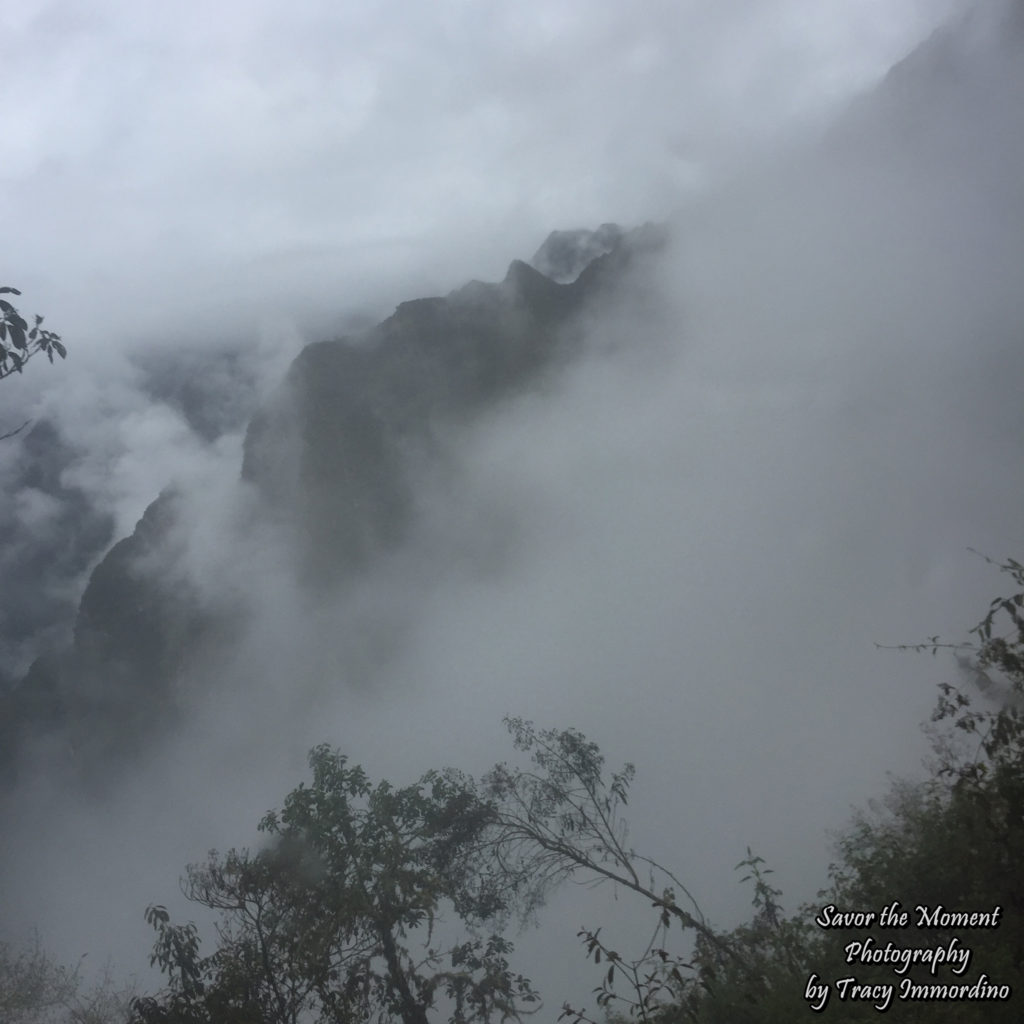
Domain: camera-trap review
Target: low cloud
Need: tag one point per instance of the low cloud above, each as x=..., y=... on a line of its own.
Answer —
x=687, y=542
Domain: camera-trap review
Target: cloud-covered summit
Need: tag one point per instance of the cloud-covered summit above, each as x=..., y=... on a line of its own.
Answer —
x=334, y=457
x=686, y=542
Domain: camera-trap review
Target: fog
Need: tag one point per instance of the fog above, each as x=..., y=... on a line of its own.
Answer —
x=688, y=543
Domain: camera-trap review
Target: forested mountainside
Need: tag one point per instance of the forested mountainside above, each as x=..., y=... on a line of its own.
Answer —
x=332, y=457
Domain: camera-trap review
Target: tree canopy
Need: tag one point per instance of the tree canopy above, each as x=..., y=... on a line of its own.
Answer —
x=338, y=917
x=947, y=850
x=37, y=989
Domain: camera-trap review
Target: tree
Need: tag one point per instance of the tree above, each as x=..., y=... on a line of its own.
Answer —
x=37, y=989
x=954, y=840
x=32, y=984
x=335, y=919
x=561, y=818
x=19, y=342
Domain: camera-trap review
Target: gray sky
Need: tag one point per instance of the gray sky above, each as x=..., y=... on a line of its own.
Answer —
x=689, y=547
x=165, y=161
x=201, y=172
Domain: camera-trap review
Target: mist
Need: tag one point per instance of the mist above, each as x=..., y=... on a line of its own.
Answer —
x=771, y=455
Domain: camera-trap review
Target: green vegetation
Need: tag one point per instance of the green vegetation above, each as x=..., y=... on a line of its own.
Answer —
x=339, y=916
x=36, y=989
x=19, y=342
x=335, y=919
x=951, y=845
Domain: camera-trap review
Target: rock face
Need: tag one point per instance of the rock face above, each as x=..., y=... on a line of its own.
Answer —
x=332, y=451
x=331, y=457
x=50, y=535
x=103, y=692
x=566, y=254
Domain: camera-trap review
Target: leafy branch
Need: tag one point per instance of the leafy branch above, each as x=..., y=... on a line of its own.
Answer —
x=19, y=342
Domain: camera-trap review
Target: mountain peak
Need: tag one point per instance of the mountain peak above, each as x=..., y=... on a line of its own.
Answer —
x=566, y=254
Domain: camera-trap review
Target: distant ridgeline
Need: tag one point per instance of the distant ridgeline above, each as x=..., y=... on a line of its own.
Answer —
x=330, y=456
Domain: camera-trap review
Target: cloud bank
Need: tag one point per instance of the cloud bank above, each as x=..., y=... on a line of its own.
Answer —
x=687, y=543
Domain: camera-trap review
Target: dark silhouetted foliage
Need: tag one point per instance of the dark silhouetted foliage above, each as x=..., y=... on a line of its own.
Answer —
x=335, y=919
x=19, y=342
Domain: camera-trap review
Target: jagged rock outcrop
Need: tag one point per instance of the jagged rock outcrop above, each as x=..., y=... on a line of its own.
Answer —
x=49, y=535
x=104, y=693
x=333, y=451
x=566, y=254
x=331, y=457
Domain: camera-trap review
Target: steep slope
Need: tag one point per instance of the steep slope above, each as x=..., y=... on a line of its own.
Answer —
x=333, y=459
x=49, y=536
x=333, y=451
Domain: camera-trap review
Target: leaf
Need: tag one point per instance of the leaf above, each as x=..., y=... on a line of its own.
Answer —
x=11, y=291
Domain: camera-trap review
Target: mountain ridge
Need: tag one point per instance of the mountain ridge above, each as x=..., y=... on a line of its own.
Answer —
x=329, y=455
